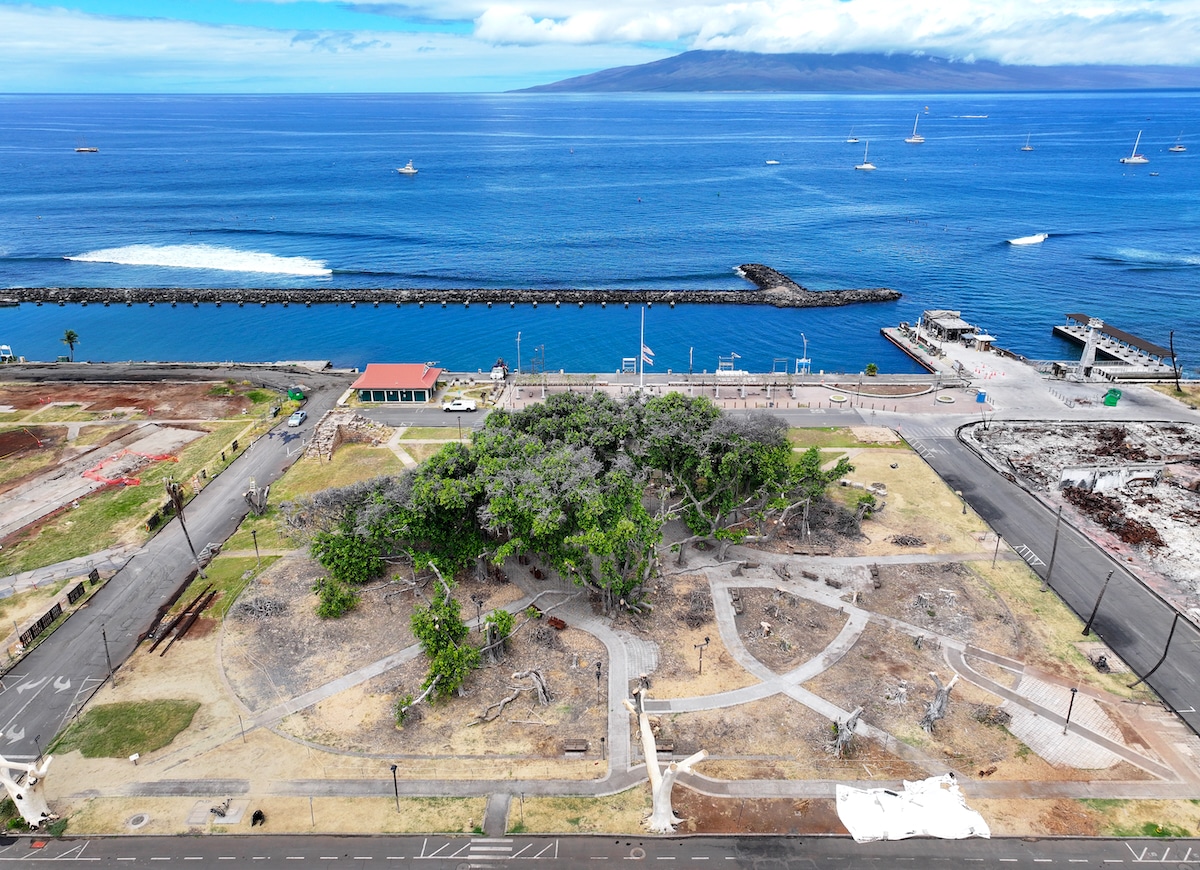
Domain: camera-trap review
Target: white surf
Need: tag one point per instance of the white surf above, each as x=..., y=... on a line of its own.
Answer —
x=204, y=257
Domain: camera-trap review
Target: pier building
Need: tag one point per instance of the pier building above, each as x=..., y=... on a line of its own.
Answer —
x=1112, y=354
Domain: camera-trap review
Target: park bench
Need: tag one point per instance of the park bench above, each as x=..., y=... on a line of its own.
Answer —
x=812, y=550
x=575, y=745
x=556, y=623
x=665, y=746
x=735, y=597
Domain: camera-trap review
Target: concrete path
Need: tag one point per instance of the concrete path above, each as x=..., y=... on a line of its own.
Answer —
x=112, y=559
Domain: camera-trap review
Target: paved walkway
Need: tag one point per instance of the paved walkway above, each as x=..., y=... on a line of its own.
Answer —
x=112, y=559
x=1036, y=694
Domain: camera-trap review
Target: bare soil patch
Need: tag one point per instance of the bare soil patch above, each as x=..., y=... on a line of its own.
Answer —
x=173, y=400
x=800, y=628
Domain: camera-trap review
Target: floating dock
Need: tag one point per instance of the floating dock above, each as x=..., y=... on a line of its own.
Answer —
x=1113, y=354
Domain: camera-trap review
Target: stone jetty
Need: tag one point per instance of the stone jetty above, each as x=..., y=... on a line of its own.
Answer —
x=771, y=288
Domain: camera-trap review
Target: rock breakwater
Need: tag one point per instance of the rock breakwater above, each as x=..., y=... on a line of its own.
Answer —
x=772, y=288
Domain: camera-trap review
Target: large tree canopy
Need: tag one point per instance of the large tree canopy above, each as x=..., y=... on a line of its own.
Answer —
x=568, y=480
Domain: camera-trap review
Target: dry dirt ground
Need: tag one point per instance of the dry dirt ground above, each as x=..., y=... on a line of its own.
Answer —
x=272, y=648
x=175, y=401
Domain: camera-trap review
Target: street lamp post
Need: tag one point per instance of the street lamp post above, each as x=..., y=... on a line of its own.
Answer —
x=1070, y=707
x=518, y=353
x=1087, y=628
x=107, y=658
x=1053, y=550
x=254, y=537
x=478, y=599
x=458, y=417
x=701, y=646
x=396, y=788
x=598, y=672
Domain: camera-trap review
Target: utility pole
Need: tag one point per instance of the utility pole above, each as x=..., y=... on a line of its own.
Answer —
x=701, y=646
x=1053, y=551
x=1087, y=628
x=175, y=493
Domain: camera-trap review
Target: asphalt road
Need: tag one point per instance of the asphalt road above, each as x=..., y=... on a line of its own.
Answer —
x=1132, y=620
x=461, y=853
x=50, y=685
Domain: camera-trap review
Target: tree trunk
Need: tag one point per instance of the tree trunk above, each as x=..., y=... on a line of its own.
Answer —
x=936, y=709
x=845, y=733
x=29, y=796
x=662, y=818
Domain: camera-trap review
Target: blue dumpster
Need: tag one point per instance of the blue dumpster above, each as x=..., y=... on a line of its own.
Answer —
x=981, y=397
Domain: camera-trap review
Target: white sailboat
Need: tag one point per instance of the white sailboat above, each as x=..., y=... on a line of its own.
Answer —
x=1027, y=146
x=1178, y=147
x=1134, y=157
x=866, y=165
x=916, y=138
x=852, y=139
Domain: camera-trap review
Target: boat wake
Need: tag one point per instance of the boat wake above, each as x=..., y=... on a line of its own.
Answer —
x=1030, y=240
x=204, y=257
x=1143, y=260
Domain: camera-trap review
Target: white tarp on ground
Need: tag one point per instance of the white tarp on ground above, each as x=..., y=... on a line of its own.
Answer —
x=933, y=807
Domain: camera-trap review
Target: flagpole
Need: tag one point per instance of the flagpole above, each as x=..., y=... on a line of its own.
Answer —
x=642, y=352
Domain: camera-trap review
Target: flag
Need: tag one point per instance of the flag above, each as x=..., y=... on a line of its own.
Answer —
x=647, y=355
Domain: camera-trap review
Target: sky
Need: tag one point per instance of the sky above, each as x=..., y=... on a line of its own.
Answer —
x=341, y=46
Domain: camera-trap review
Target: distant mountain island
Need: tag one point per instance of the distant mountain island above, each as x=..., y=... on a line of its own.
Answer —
x=838, y=73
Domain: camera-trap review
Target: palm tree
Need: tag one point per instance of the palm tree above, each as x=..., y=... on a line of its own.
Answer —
x=70, y=339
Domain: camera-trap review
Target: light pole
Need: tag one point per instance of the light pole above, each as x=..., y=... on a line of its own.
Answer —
x=701, y=646
x=1087, y=628
x=478, y=599
x=458, y=417
x=396, y=788
x=1170, y=635
x=1070, y=707
x=107, y=658
x=518, y=353
x=598, y=671
x=1053, y=551
x=254, y=537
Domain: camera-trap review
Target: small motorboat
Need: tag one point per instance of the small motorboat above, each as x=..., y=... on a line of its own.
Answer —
x=1035, y=239
x=407, y=169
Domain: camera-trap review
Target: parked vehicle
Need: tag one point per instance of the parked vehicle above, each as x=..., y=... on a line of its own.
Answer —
x=297, y=418
x=459, y=404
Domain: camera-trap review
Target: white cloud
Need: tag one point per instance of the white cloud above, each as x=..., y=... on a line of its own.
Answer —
x=55, y=50
x=1013, y=31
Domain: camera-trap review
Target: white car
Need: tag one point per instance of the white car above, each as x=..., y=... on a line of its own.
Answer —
x=297, y=418
x=459, y=405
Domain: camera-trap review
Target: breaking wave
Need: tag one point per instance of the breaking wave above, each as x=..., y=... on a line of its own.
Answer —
x=204, y=257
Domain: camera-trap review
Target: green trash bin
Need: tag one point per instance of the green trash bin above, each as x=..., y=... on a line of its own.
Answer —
x=296, y=394
x=1112, y=397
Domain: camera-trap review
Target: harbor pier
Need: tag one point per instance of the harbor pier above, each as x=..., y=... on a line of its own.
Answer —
x=1115, y=355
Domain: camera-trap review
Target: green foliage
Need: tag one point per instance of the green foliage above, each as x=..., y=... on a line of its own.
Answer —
x=258, y=397
x=348, y=557
x=872, y=370
x=441, y=631
x=121, y=729
x=401, y=709
x=504, y=622
x=336, y=598
x=870, y=503
x=57, y=828
x=1154, y=829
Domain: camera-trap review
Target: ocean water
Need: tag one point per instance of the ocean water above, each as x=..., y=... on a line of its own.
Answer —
x=611, y=191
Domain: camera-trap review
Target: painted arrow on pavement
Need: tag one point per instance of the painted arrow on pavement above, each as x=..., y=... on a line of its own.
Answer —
x=21, y=689
x=14, y=735
x=61, y=684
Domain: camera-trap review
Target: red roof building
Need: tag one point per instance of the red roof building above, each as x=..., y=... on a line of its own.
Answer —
x=397, y=382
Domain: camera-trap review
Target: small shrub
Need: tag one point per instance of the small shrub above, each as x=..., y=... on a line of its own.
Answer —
x=336, y=598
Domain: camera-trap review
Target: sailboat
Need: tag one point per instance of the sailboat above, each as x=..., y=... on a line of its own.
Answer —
x=851, y=139
x=1134, y=157
x=866, y=165
x=1027, y=146
x=1178, y=147
x=916, y=138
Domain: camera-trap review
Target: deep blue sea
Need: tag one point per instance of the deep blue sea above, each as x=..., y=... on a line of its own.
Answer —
x=611, y=191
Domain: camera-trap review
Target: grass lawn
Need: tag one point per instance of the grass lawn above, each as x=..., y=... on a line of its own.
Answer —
x=618, y=813
x=422, y=452
x=228, y=575
x=269, y=529
x=117, y=513
x=119, y=730
x=350, y=464
x=1189, y=393
x=832, y=438
x=430, y=433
